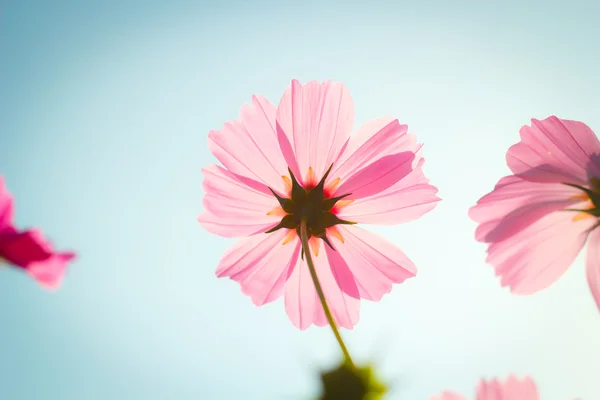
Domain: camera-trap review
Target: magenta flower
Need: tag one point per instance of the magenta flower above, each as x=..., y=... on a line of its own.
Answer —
x=511, y=389
x=28, y=250
x=297, y=162
x=537, y=220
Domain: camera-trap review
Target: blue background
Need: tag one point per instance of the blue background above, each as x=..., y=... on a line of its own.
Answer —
x=105, y=109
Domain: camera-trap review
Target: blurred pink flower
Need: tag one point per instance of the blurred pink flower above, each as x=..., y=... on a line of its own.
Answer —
x=537, y=220
x=297, y=161
x=511, y=389
x=28, y=249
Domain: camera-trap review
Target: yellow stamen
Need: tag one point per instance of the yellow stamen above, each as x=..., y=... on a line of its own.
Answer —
x=334, y=232
x=315, y=244
x=288, y=183
x=311, y=178
x=277, y=211
x=289, y=236
x=581, y=196
x=343, y=203
x=333, y=185
x=582, y=215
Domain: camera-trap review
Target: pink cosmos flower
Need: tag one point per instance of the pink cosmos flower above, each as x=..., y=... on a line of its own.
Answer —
x=511, y=389
x=537, y=220
x=28, y=249
x=298, y=161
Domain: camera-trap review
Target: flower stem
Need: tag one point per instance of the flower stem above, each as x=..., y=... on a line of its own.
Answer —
x=319, y=289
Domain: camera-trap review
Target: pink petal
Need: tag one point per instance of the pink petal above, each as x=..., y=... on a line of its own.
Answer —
x=342, y=274
x=50, y=272
x=490, y=390
x=538, y=255
x=593, y=265
x=515, y=204
x=379, y=154
x=378, y=176
x=551, y=174
x=525, y=388
x=371, y=142
x=406, y=200
x=512, y=192
x=30, y=251
x=260, y=264
x=23, y=248
x=558, y=147
x=250, y=148
x=302, y=302
x=449, y=396
x=518, y=220
x=234, y=209
x=374, y=263
x=6, y=208
x=314, y=122
x=512, y=388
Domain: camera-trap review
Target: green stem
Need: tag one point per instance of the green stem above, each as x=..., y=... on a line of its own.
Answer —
x=319, y=289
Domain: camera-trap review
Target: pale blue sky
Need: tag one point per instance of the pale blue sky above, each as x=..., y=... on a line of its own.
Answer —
x=105, y=109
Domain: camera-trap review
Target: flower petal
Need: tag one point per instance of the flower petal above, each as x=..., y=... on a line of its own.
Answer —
x=260, y=264
x=449, y=396
x=489, y=390
x=23, y=248
x=374, y=262
x=525, y=388
x=378, y=176
x=233, y=209
x=6, y=208
x=593, y=265
x=50, y=272
x=30, y=251
x=512, y=192
x=516, y=203
x=553, y=146
x=314, y=122
x=371, y=142
x=342, y=274
x=538, y=255
x=378, y=148
x=302, y=302
x=249, y=147
x=406, y=200
x=512, y=388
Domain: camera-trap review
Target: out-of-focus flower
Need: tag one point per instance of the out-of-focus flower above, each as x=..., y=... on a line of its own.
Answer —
x=29, y=250
x=511, y=389
x=537, y=220
x=299, y=162
x=347, y=382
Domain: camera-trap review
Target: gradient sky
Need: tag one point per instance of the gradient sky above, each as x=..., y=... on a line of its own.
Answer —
x=105, y=107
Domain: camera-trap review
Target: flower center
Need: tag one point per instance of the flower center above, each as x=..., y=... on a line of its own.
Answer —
x=590, y=194
x=312, y=205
